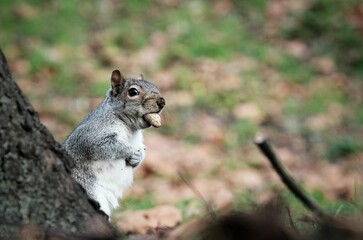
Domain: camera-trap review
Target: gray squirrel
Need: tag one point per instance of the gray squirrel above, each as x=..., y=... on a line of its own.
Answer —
x=108, y=145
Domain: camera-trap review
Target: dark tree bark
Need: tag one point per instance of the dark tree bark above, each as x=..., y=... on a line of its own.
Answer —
x=35, y=183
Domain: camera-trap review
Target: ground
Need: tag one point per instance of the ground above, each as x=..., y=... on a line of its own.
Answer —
x=227, y=69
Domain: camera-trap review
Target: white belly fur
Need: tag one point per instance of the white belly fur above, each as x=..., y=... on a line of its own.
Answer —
x=112, y=177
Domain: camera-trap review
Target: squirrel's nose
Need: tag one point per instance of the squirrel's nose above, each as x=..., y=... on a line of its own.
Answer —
x=161, y=102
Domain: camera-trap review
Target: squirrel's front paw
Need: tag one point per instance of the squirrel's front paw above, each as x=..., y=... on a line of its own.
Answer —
x=136, y=158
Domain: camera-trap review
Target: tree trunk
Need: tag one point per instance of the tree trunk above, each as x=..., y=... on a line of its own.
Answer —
x=36, y=187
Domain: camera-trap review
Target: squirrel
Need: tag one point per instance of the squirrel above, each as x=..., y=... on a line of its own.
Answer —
x=108, y=145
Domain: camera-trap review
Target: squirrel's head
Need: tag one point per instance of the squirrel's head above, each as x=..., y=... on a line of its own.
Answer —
x=131, y=99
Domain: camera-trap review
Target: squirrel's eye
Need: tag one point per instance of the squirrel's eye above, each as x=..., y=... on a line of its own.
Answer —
x=133, y=92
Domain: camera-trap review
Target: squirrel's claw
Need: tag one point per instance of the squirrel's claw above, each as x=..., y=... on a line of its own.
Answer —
x=136, y=158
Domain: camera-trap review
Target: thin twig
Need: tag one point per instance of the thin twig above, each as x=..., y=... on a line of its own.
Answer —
x=292, y=224
x=206, y=204
x=289, y=182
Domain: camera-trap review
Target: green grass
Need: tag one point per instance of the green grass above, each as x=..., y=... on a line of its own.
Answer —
x=343, y=147
x=358, y=114
x=192, y=138
x=132, y=203
x=245, y=130
x=184, y=78
x=223, y=101
x=334, y=208
x=327, y=27
x=252, y=14
x=64, y=83
x=47, y=20
x=190, y=208
x=320, y=99
x=214, y=37
x=38, y=60
x=244, y=201
x=295, y=70
x=196, y=33
x=99, y=89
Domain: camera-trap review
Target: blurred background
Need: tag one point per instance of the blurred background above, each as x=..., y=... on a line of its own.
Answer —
x=290, y=69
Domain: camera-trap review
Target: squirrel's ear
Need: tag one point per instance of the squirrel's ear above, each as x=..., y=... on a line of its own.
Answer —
x=141, y=77
x=117, y=81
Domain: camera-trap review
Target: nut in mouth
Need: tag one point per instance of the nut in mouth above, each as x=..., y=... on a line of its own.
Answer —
x=154, y=119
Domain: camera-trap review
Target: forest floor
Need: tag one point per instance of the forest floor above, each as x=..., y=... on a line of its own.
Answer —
x=227, y=70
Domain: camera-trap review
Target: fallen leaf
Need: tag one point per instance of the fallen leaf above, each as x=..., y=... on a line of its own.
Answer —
x=209, y=128
x=164, y=156
x=180, y=98
x=216, y=192
x=329, y=119
x=142, y=221
x=250, y=111
x=324, y=65
x=297, y=49
x=190, y=229
x=249, y=179
x=165, y=80
x=218, y=77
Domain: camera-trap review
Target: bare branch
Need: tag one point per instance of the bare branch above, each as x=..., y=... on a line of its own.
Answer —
x=289, y=182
